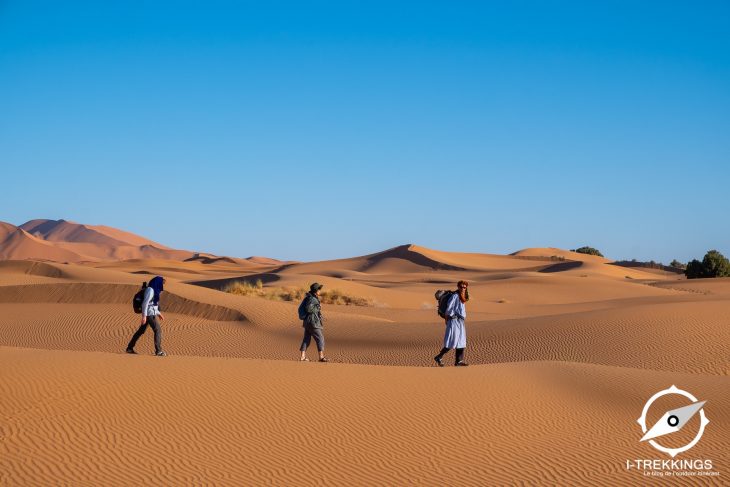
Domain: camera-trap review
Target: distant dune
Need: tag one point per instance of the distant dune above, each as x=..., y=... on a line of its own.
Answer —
x=264, y=260
x=65, y=241
x=411, y=258
x=19, y=244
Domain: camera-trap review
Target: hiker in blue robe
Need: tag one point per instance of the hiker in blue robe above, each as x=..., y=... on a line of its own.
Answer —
x=455, y=335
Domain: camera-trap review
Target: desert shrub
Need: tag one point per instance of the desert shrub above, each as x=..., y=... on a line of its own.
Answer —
x=245, y=288
x=588, y=250
x=677, y=264
x=650, y=265
x=285, y=293
x=714, y=264
x=335, y=296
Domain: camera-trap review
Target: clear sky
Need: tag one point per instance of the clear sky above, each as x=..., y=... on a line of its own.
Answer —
x=313, y=130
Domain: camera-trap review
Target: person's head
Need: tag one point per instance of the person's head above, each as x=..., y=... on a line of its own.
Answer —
x=462, y=288
x=314, y=288
x=157, y=283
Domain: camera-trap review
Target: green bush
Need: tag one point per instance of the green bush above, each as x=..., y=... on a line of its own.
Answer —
x=714, y=264
x=677, y=264
x=694, y=269
x=588, y=250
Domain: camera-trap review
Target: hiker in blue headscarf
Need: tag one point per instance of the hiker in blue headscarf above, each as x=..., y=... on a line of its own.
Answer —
x=151, y=315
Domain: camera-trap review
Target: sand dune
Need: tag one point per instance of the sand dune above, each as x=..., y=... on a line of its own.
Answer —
x=65, y=241
x=412, y=260
x=405, y=258
x=5, y=230
x=484, y=262
x=126, y=237
x=65, y=231
x=256, y=259
x=29, y=267
x=91, y=293
x=645, y=327
x=19, y=244
x=718, y=287
x=564, y=353
x=584, y=264
x=139, y=420
x=188, y=270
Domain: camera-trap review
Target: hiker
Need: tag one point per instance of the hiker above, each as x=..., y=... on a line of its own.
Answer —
x=310, y=312
x=455, y=336
x=151, y=316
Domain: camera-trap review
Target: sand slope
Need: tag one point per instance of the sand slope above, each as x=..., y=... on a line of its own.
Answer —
x=186, y=420
x=564, y=354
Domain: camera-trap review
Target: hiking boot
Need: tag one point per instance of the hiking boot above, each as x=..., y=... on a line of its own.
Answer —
x=131, y=350
x=160, y=354
x=461, y=364
x=438, y=361
x=324, y=359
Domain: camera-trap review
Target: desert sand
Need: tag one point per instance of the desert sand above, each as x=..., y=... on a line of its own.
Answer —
x=564, y=348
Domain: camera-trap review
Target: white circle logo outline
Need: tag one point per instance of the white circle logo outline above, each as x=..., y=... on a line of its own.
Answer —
x=703, y=421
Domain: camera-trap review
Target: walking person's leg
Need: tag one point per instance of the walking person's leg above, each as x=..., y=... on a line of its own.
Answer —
x=319, y=339
x=440, y=356
x=448, y=344
x=305, y=344
x=140, y=331
x=157, y=329
x=461, y=344
x=460, y=355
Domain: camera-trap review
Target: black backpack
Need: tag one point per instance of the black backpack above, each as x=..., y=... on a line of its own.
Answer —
x=302, y=309
x=138, y=298
x=442, y=297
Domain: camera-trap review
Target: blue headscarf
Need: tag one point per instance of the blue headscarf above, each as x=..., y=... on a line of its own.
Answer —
x=156, y=285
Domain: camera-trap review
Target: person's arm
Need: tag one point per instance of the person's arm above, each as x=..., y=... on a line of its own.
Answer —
x=148, y=295
x=460, y=309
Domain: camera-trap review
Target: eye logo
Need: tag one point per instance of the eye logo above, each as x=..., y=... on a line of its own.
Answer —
x=673, y=421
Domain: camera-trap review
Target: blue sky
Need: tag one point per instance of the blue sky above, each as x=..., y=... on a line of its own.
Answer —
x=313, y=130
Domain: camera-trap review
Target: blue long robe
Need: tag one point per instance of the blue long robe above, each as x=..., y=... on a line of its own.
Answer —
x=455, y=336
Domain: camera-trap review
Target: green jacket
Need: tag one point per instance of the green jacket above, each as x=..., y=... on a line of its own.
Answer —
x=314, y=312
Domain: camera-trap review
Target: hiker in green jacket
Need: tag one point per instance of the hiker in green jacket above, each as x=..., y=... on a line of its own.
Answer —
x=310, y=310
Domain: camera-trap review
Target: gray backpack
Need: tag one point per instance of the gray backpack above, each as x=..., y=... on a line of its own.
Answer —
x=443, y=300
